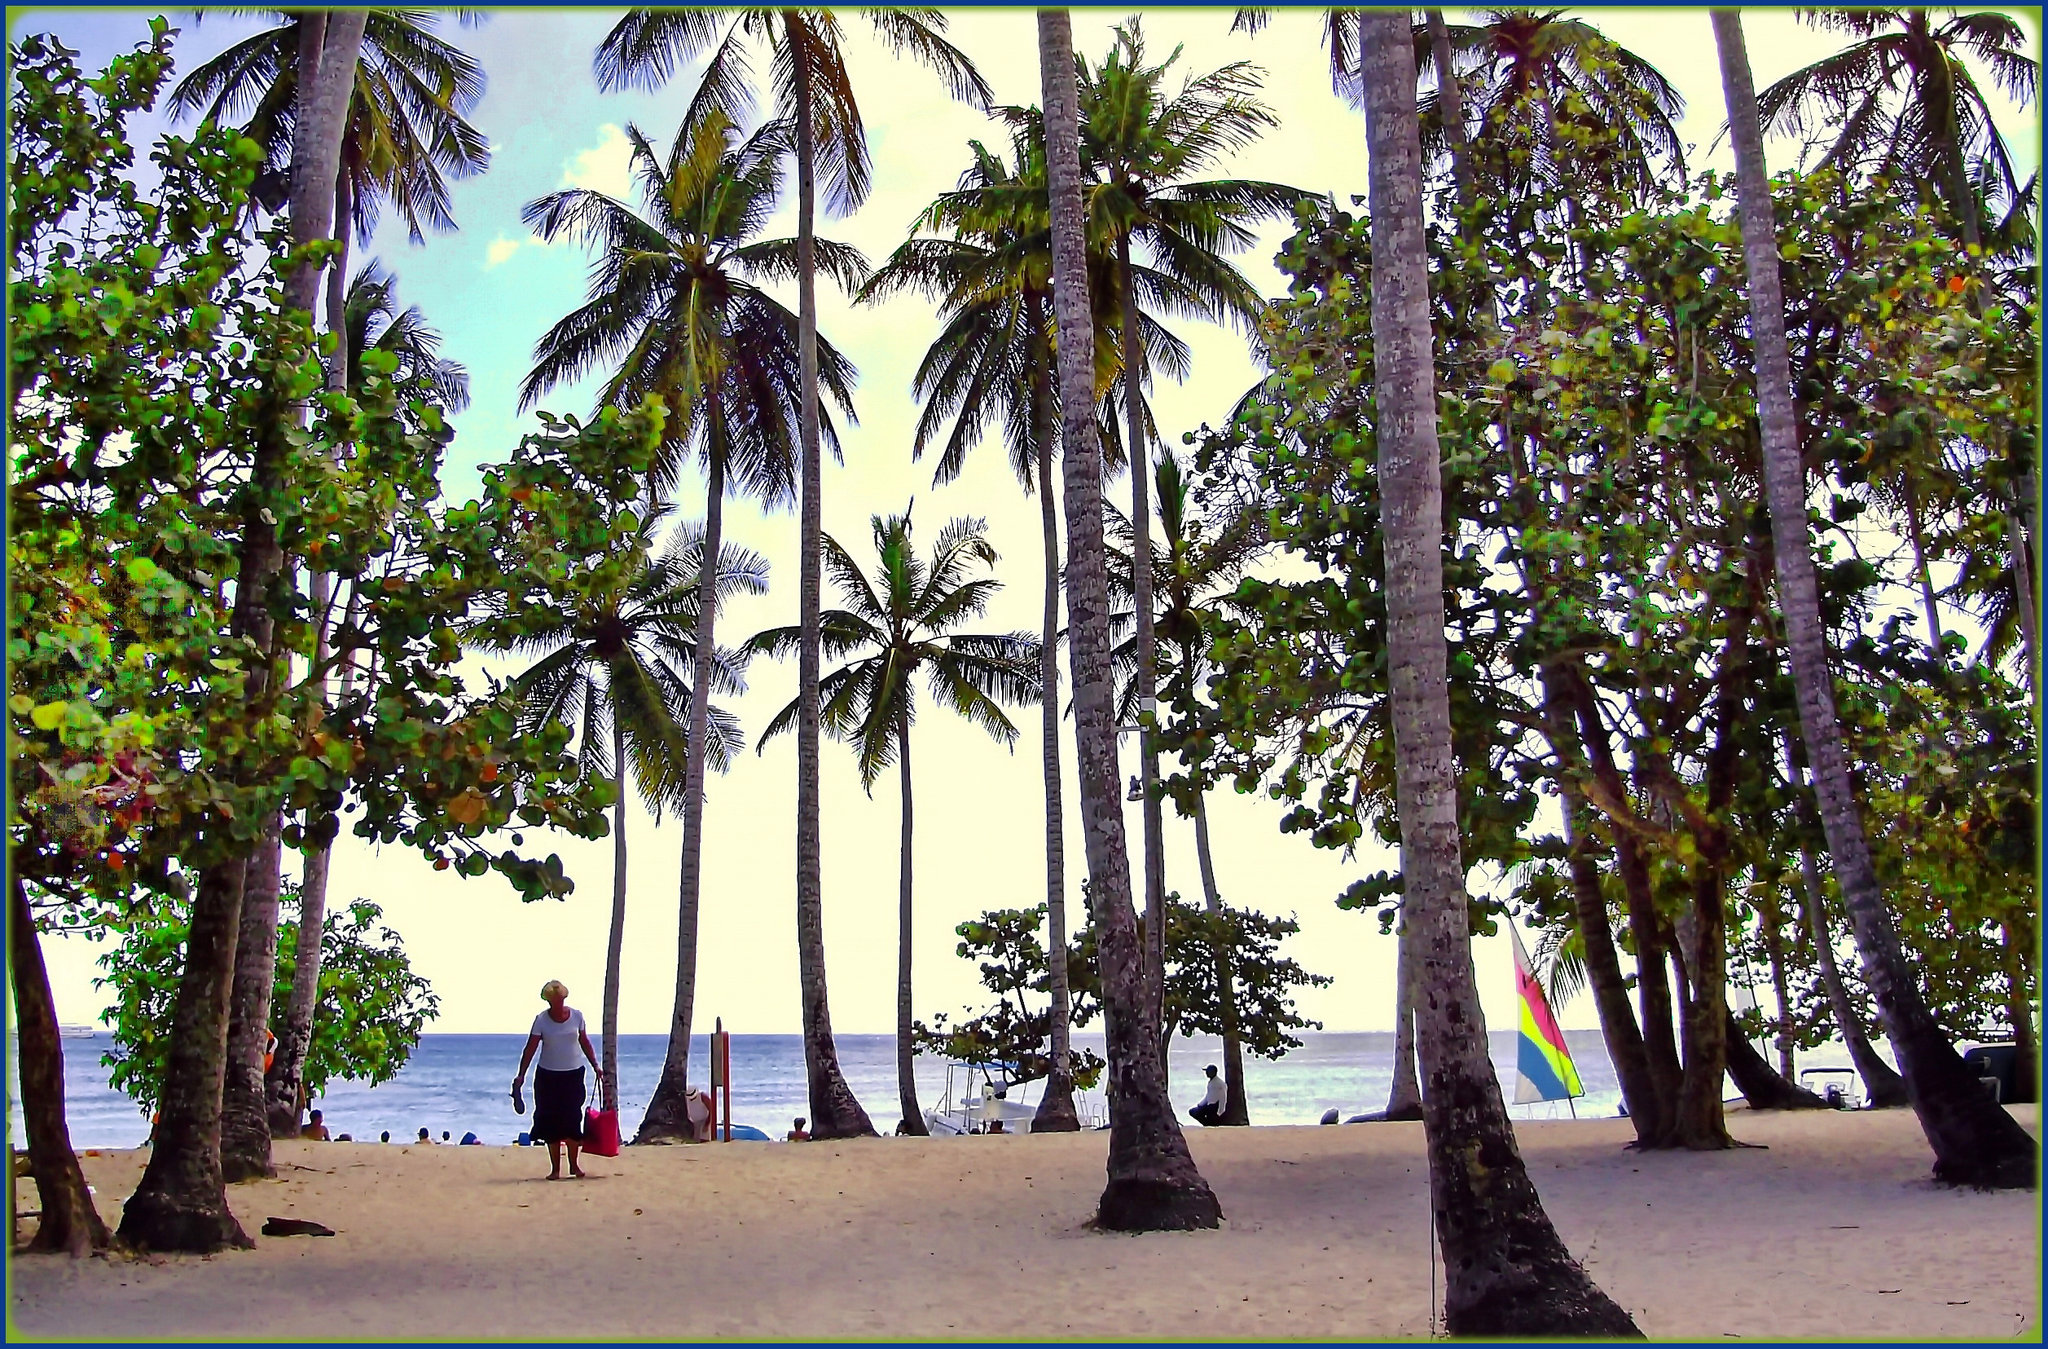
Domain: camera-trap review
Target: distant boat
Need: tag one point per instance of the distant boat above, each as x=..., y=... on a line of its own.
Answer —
x=999, y=1101
x=78, y=1032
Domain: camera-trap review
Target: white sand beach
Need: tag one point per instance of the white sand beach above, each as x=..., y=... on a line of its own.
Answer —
x=1834, y=1232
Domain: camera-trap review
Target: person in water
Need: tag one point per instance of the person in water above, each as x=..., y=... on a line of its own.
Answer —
x=563, y=1045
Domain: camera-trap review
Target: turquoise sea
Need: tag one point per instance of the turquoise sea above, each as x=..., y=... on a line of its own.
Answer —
x=461, y=1083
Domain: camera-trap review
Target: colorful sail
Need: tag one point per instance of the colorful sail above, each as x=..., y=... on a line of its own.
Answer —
x=1543, y=1065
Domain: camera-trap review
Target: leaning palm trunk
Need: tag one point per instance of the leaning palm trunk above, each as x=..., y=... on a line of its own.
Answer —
x=283, y=1081
x=69, y=1222
x=834, y=1111
x=181, y=1202
x=1153, y=1184
x=1056, y=1112
x=1151, y=810
x=668, y=1111
x=906, y=1049
x=1235, y=1111
x=615, y=941
x=245, y=1115
x=1404, y=1097
x=1507, y=1272
x=1974, y=1140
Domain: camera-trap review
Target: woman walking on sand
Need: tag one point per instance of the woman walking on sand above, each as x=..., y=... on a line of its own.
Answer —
x=558, y=1083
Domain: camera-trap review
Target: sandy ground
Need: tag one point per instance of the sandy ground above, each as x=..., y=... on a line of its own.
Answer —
x=1834, y=1232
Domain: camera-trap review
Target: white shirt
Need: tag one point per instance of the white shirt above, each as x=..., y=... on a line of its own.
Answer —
x=1214, y=1095
x=561, y=1042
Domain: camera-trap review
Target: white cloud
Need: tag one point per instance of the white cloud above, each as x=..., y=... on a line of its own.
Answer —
x=606, y=167
x=501, y=249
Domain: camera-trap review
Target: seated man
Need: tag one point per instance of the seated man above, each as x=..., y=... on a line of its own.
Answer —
x=1211, y=1108
x=315, y=1129
x=798, y=1135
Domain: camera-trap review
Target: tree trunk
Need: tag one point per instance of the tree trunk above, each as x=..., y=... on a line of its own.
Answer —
x=1404, y=1098
x=1974, y=1140
x=1917, y=534
x=1760, y=1084
x=2023, y=591
x=1151, y=810
x=1451, y=107
x=1771, y=920
x=245, y=1107
x=906, y=1051
x=835, y=1113
x=615, y=941
x=668, y=1111
x=1885, y=1088
x=2020, y=1011
x=1056, y=1112
x=1235, y=1111
x=1506, y=1271
x=69, y=1222
x=1153, y=1184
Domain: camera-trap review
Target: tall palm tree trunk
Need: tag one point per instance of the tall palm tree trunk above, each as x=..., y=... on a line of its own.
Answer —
x=69, y=1222
x=835, y=1113
x=1151, y=810
x=284, y=1081
x=2023, y=590
x=1235, y=1111
x=668, y=1111
x=1506, y=1271
x=1404, y=1097
x=245, y=1112
x=1056, y=1112
x=1922, y=574
x=906, y=1050
x=615, y=942
x=1153, y=1184
x=181, y=1201
x=1974, y=1140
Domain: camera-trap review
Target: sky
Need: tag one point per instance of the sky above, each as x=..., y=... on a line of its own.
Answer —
x=491, y=289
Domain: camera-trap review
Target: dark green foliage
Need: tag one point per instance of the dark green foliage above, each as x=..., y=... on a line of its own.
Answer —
x=367, y=1020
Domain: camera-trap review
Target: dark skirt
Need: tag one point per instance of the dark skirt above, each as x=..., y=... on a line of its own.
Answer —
x=558, y=1106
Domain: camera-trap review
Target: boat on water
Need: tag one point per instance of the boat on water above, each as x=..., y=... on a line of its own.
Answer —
x=986, y=1098
x=78, y=1032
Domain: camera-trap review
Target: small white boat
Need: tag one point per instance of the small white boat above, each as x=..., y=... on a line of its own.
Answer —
x=78, y=1032
x=980, y=1095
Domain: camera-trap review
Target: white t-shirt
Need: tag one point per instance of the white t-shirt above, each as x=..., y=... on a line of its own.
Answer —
x=561, y=1042
x=1213, y=1096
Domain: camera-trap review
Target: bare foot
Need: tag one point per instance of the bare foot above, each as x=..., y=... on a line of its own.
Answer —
x=575, y=1175
x=554, y=1175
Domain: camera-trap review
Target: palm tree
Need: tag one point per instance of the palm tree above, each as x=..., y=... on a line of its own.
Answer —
x=1153, y=1184
x=813, y=91
x=404, y=129
x=371, y=319
x=1197, y=563
x=1974, y=1140
x=1506, y=1271
x=1902, y=101
x=895, y=629
x=181, y=1204
x=992, y=363
x=613, y=669
x=677, y=311
x=1145, y=152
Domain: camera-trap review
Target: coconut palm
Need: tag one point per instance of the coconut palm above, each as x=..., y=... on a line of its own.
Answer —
x=1153, y=1183
x=1902, y=100
x=992, y=364
x=812, y=90
x=1196, y=564
x=1506, y=1271
x=676, y=311
x=371, y=319
x=614, y=669
x=1974, y=1140
x=1145, y=152
x=893, y=629
x=213, y=1077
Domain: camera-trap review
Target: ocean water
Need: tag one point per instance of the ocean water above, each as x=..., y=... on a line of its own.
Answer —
x=462, y=1083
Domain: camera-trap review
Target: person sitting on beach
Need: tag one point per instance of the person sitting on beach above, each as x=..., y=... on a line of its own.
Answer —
x=425, y=1137
x=558, y=1036
x=995, y=1126
x=384, y=1137
x=444, y=1136
x=314, y=1129
x=798, y=1134
x=1211, y=1109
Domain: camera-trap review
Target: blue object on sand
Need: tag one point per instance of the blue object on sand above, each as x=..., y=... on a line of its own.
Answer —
x=747, y=1133
x=525, y=1139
